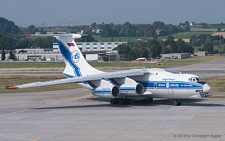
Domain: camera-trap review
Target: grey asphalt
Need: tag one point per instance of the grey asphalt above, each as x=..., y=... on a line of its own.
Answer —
x=207, y=69
x=76, y=115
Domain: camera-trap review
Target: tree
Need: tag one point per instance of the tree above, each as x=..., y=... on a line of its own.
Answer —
x=187, y=29
x=154, y=50
x=154, y=47
x=218, y=29
x=209, y=48
x=159, y=25
x=3, y=54
x=11, y=55
x=204, y=25
x=32, y=29
x=22, y=44
x=125, y=52
x=7, y=26
x=187, y=23
x=7, y=41
x=181, y=46
x=109, y=31
x=93, y=25
x=123, y=49
x=165, y=50
x=88, y=38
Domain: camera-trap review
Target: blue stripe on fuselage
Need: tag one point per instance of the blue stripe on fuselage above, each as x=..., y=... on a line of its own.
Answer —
x=171, y=85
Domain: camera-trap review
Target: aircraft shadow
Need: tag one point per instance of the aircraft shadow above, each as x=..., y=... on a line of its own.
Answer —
x=86, y=106
x=164, y=101
x=185, y=102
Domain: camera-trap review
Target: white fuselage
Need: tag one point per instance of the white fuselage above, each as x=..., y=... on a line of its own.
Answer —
x=161, y=83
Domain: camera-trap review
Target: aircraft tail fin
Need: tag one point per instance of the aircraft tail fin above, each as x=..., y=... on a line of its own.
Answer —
x=76, y=65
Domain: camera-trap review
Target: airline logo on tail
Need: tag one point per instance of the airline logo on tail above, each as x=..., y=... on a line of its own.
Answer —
x=71, y=57
x=75, y=56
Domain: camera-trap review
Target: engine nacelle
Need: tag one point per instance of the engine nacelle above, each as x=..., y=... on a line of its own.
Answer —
x=131, y=88
x=107, y=92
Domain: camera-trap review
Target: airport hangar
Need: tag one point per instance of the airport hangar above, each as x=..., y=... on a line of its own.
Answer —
x=92, y=51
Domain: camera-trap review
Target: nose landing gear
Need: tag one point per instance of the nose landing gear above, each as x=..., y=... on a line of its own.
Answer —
x=176, y=102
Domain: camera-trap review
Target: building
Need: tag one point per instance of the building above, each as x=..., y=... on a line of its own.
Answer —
x=93, y=51
x=200, y=53
x=176, y=55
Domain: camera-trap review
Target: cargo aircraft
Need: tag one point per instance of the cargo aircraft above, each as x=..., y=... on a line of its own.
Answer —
x=123, y=87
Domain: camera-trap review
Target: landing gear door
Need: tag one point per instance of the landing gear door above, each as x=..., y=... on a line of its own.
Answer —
x=169, y=89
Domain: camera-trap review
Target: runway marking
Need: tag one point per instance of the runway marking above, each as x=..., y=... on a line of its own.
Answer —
x=14, y=112
x=16, y=138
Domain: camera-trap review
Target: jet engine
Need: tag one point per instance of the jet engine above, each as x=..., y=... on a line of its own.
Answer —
x=107, y=92
x=131, y=88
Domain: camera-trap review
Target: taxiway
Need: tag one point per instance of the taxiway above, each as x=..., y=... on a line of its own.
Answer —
x=71, y=115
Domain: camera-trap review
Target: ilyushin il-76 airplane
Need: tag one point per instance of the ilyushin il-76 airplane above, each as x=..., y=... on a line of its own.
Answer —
x=125, y=86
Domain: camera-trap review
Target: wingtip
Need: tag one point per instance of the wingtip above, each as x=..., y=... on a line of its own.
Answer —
x=11, y=87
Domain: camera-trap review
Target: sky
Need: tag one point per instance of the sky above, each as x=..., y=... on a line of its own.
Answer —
x=84, y=12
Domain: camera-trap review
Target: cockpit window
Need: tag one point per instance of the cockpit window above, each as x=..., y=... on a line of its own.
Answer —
x=197, y=79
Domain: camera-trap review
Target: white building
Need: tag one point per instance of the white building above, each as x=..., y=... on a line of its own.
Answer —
x=93, y=51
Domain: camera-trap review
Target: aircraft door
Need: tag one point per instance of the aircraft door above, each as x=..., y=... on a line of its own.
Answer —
x=169, y=89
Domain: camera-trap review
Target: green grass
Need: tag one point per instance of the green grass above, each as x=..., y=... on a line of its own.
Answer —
x=195, y=30
x=105, y=65
x=219, y=48
x=17, y=80
x=189, y=61
x=186, y=35
x=217, y=84
x=31, y=64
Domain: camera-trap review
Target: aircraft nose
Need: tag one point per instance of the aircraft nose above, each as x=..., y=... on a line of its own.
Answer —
x=206, y=88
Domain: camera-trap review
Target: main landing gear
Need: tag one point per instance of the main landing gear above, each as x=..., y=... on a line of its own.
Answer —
x=176, y=102
x=120, y=101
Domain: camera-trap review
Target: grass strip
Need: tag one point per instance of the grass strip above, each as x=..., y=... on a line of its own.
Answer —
x=121, y=65
x=21, y=79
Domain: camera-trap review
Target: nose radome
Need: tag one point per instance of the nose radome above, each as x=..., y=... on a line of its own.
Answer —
x=206, y=88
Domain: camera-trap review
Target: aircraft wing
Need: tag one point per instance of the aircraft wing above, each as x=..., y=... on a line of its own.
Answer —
x=104, y=75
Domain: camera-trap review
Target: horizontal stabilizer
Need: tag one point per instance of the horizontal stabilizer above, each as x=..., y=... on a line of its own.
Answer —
x=73, y=36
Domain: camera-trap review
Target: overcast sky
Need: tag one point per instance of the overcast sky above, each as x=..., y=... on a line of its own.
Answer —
x=85, y=12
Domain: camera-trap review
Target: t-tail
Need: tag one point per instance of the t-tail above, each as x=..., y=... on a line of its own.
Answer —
x=76, y=65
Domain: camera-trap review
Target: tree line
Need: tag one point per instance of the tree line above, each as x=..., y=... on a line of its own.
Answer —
x=127, y=29
x=153, y=48
x=7, y=26
x=8, y=42
x=10, y=38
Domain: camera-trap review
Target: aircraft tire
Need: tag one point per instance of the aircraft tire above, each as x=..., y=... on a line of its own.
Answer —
x=179, y=102
x=128, y=101
x=175, y=102
x=150, y=100
x=113, y=101
x=121, y=101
